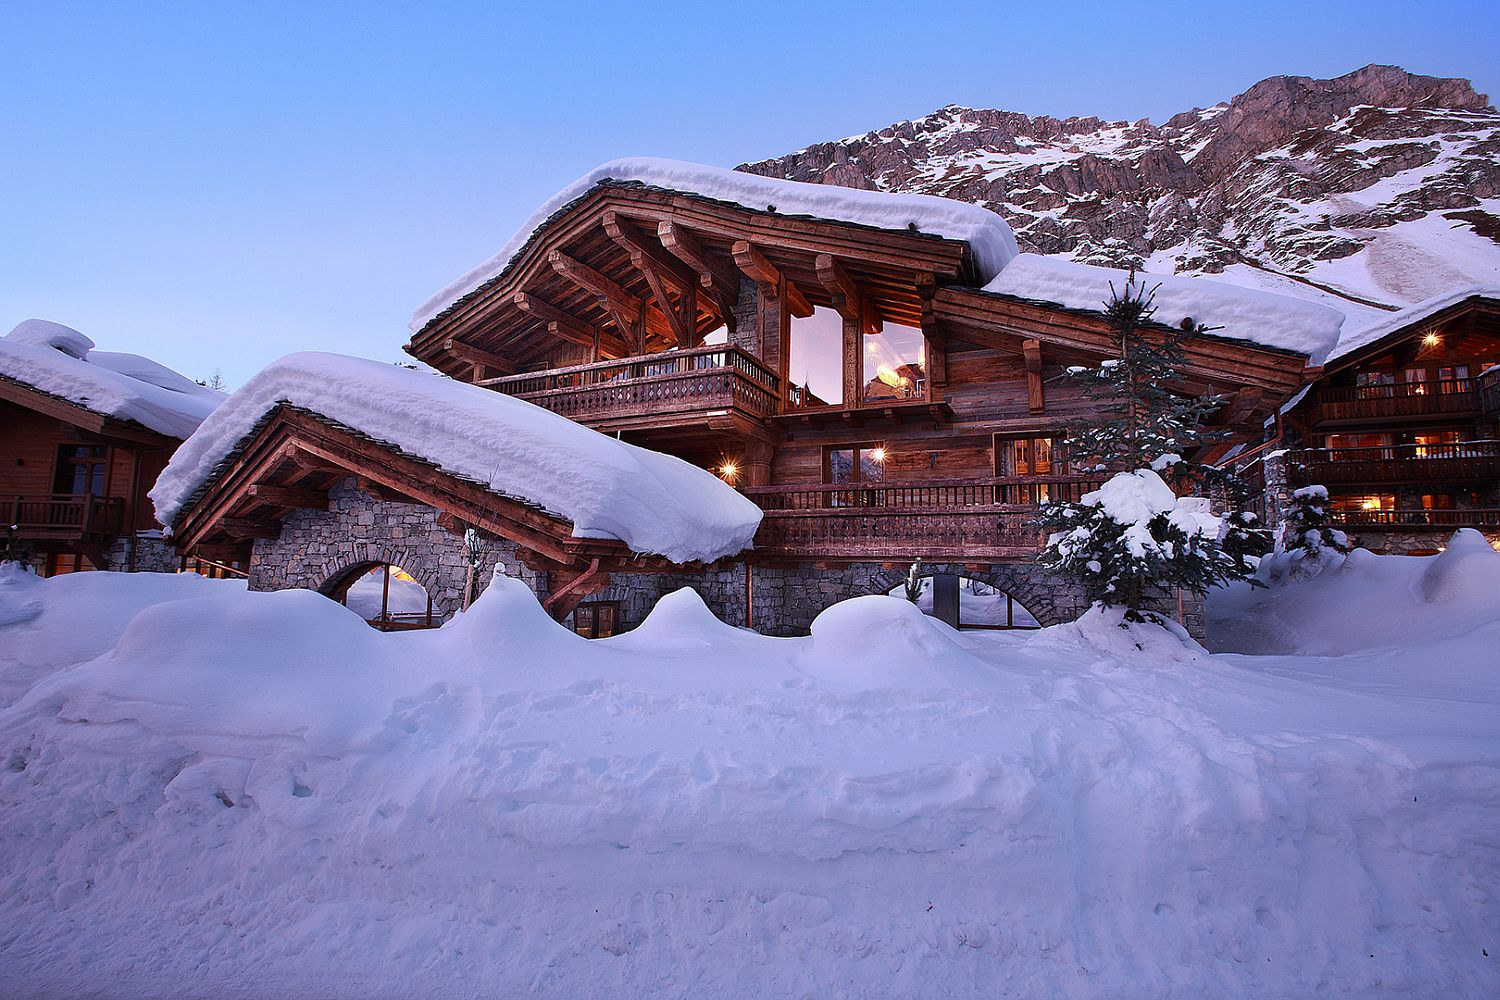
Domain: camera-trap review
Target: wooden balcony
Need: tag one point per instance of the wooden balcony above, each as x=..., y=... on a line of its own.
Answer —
x=1415, y=520
x=1489, y=392
x=657, y=390
x=1451, y=397
x=1462, y=461
x=991, y=518
x=64, y=517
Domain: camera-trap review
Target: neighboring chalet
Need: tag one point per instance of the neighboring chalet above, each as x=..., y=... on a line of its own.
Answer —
x=1400, y=424
x=879, y=373
x=83, y=435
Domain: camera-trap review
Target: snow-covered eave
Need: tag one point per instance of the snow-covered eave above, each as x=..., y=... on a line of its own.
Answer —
x=82, y=415
x=524, y=252
x=234, y=454
x=1098, y=314
x=1406, y=324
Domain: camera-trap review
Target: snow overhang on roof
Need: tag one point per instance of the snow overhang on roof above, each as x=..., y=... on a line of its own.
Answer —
x=1256, y=317
x=61, y=362
x=656, y=504
x=1400, y=322
x=988, y=236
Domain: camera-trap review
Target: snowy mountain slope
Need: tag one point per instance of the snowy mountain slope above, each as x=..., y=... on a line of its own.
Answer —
x=256, y=795
x=1379, y=187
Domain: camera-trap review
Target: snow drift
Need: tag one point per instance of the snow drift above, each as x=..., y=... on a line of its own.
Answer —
x=1238, y=313
x=654, y=503
x=988, y=235
x=62, y=362
x=254, y=794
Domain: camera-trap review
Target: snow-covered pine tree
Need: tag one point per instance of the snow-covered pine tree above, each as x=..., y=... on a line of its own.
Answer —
x=1133, y=535
x=1306, y=534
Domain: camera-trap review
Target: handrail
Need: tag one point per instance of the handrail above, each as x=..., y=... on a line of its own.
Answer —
x=926, y=494
x=1397, y=390
x=1470, y=517
x=64, y=514
x=1482, y=448
x=685, y=361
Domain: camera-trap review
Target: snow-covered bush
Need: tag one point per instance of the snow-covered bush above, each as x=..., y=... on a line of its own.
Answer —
x=1133, y=535
x=1306, y=534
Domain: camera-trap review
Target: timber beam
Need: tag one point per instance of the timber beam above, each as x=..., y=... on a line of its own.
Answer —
x=848, y=300
x=626, y=310
x=485, y=364
x=1036, y=400
x=288, y=496
x=659, y=269
x=566, y=326
x=768, y=278
x=250, y=527
x=715, y=276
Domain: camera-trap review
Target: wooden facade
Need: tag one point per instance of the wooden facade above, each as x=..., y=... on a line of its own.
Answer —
x=674, y=321
x=1403, y=430
x=73, y=483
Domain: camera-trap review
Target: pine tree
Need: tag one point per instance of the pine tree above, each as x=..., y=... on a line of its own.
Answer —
x=1141, y=423
x=1306, y=534
x=1134, y=536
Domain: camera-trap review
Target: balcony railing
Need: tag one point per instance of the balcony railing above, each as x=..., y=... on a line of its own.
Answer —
x=1399, y=399
x=1401, y=520
x=1489, y=391
x=1413, y=463
x=951, y=519
x=63, y=516
x=656, y=385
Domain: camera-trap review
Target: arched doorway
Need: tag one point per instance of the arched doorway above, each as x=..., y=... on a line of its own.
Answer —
x=386, y=596
x=981, y=605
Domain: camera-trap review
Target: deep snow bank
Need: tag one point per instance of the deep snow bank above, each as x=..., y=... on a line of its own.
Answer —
x=255, y=795
x=1363, y=601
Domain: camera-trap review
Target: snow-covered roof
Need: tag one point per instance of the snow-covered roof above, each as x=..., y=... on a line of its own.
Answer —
x=1239, y=313
x=988, y=235
x=62, y=362
x=656, y=504
x=1354, y=340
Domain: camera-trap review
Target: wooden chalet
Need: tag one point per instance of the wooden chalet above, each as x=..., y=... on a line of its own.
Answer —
x=1400, y=424
x=854, y=381
x=73, y=479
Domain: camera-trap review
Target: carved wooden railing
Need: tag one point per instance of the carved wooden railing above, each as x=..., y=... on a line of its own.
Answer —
x=1400, y=399
x=63, y=515
x=702, y=378
x=1489, y=391
x=1397, y=463
x=1398, y=520
x=979, y=518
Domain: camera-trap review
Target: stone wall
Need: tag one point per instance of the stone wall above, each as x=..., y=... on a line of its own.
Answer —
x=318, y=549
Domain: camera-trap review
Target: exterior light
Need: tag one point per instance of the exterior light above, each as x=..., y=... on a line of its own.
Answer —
x=877, y=454
x=1431, y=340
x=729, y=471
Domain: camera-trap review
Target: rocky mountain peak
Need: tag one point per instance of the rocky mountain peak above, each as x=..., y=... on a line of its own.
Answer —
x=1371, y=189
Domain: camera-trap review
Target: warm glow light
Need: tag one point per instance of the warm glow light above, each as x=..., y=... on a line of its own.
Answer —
x=729, y=471
x=1431, y=340
x=1371, y=504
x=877, y=454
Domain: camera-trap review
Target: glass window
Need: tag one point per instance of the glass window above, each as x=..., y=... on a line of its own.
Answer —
x=861, y=463
x=815, y=363
x=895, y=362
x=82, y=470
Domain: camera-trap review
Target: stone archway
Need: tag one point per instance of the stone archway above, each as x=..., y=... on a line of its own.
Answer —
x=338, y=574
x=1033, y=588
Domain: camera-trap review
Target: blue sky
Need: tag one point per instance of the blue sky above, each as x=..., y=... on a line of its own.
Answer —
x=216, y=185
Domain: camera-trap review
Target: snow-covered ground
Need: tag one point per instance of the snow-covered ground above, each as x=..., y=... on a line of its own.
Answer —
x=210, y=792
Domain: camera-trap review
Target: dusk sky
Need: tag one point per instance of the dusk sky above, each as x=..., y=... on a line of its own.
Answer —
x=216, y=185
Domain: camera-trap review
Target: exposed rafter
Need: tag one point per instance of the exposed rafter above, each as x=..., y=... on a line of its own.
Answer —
x=659, y=269
x=288, y=496
x=626, y=310
x=485, y=363
x=568, y=327
x=1036, y=400
x=718, y=277
x=850, y=302
x=769, y=279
